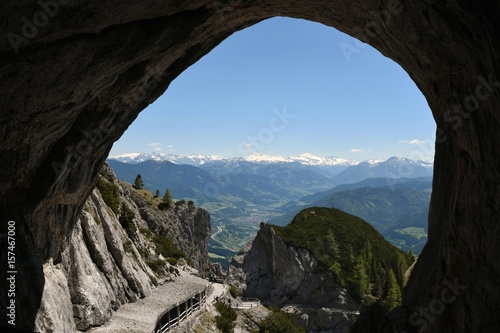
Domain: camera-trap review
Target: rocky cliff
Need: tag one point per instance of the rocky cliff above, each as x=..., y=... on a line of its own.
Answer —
x=276, y=273
x=186, y=224
x=113, y=258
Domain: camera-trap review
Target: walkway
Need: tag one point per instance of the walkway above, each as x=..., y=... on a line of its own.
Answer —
x=218, y=290
x=246, y=303
x=142, y=316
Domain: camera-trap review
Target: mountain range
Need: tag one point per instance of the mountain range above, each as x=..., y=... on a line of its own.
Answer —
x=197, y=160
x=394, y=167
x=241, y=192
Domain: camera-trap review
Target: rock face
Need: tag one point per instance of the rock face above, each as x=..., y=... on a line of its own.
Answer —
x=322, y=320
x=74, y=75
x=102, y=268
x=275, y=273
x=186, y=224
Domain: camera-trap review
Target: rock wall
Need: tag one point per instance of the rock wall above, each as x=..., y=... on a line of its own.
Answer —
x=188, y=225
x=103, y=265
x=276, y=273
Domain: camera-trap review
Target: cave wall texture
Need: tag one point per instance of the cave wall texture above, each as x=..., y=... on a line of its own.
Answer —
x=74, y=74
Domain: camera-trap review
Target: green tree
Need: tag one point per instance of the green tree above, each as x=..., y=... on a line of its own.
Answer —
x=401, y=268
x=367, y=254
x=110, y=194
x=167, y=201
x=126, y=219
x=157, y=194
x=378, y=276
x=233, y=291
x=393, y=296
x=359, y=279
x=333, y=253
x=225, y=320
x=332, y=246
x=138, y=184
x=280, y=322
x=336, y=270
x=165, y=245
x=351, y=260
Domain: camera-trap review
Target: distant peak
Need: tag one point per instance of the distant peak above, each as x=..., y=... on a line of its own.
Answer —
x=304, y=158
x=126, y=155
x=375, y=161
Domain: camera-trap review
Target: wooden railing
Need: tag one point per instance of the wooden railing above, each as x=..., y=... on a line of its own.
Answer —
x=246, y=303
x=174, y=316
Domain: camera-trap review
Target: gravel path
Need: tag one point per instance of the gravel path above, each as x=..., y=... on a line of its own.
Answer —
x=141, y=316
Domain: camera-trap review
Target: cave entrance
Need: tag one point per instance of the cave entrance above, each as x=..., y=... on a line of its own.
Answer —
x=85, y=64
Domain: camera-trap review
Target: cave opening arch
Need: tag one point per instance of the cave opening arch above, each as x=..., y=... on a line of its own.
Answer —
x=71, y=91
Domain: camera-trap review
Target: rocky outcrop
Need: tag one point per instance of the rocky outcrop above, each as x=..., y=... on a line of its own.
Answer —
x=75, y=74
x=323, y=320
x=105, y=265
x=280, y=274
x=186, y=224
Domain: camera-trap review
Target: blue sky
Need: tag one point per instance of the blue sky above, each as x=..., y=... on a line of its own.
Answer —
x=285, y=87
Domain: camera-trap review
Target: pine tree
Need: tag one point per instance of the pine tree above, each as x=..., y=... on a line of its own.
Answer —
x=336, y=270
x=350, y=260
x=367, y=255
x=332, y=246
x=157, y=194
x=401, y=269
x=359, y=279
x=393, y=296
x=333, y=252
x=167, y=198
x=167, y=201
x=138, y=184
x=378, y=276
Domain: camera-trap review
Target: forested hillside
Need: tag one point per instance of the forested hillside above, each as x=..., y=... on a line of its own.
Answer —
x=358, y=256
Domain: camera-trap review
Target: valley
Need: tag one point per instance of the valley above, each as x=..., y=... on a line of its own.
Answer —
x=239, y=193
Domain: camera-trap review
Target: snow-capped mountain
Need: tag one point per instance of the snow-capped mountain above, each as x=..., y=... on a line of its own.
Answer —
x=197, y=160
x=394, y=167
x=341, y=170
x=305, y=159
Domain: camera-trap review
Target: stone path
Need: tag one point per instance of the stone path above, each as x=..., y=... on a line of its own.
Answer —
x=142, y=316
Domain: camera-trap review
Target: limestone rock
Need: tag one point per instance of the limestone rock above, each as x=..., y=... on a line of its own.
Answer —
x=322, y=320
x=188, y=225
x=101, y=267
x=272, y=271
x=56, y=312
x=276, y=273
